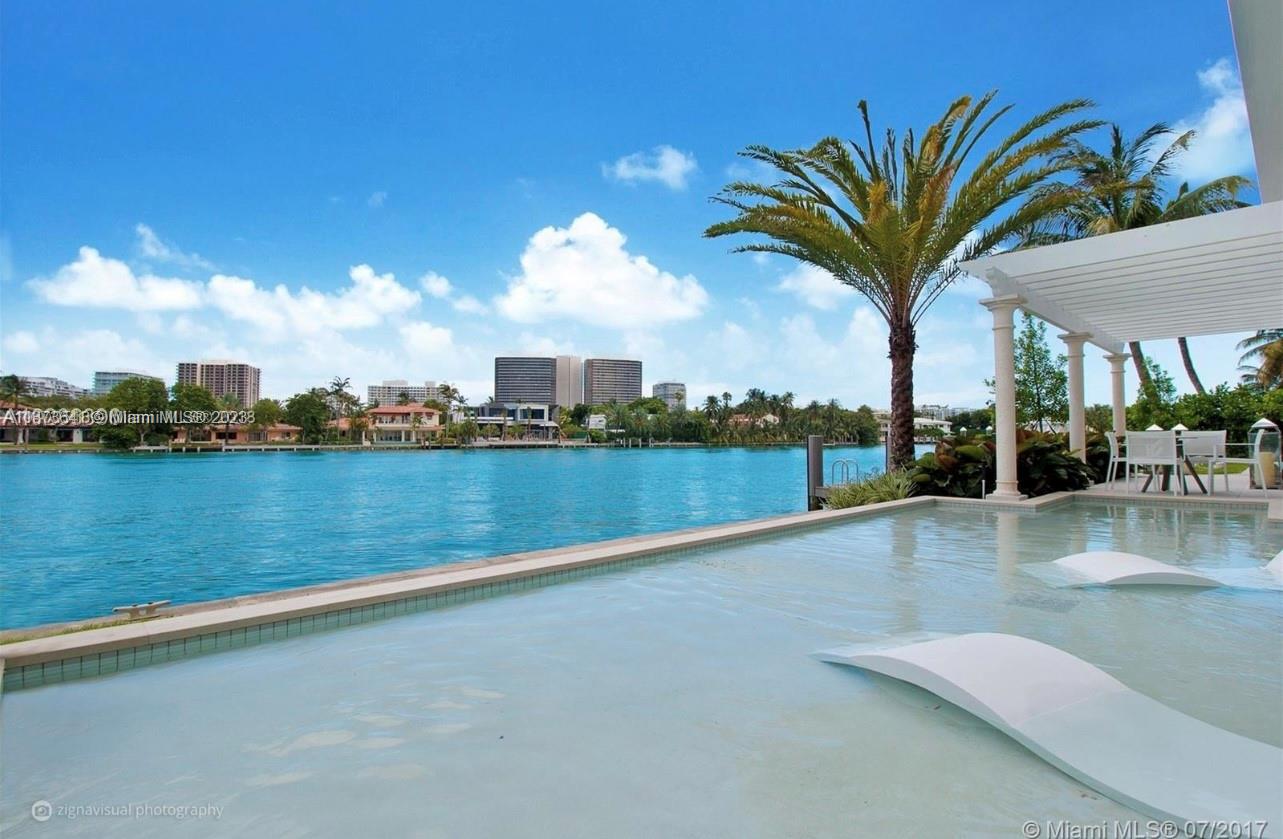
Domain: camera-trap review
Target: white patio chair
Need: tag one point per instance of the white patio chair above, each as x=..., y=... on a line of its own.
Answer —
x=1253, y=462
x=1155, y=449
x=1205, y=447
x=1115, y=458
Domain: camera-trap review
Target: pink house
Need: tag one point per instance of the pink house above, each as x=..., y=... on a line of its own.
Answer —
x=402, y=424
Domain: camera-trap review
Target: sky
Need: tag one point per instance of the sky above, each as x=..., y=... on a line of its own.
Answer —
x=407, y=190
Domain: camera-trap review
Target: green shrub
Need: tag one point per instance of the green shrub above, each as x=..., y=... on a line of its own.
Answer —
x=958, y=467
x=888, y=486
x=962, y=466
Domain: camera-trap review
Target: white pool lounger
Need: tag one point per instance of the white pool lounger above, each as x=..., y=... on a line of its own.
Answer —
x=1116, y=568
x=1091, y=726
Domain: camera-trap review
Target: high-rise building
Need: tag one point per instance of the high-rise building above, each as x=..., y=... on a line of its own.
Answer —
x=49, y=386
x=673, y=393
x=106, y=380
x=570, y=381
x=612, y=380
x=525, y=379
x=222, y=378
x=390, y=392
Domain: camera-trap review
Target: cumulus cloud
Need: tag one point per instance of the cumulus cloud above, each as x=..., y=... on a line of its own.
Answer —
x=815, y=287
x=663, y=164
x=421, y=338
x=583, y=272
x=376, y=199
x=97, y=281
x=151, y=246
x=21, y=342
x=442, y=289
x=368, y=301
x=1222, y=142
x=436, y=285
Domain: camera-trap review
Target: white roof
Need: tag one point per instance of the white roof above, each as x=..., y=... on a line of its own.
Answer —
x=1202, y=276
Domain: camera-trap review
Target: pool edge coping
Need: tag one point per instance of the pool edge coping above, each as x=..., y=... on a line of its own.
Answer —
x=207, y=618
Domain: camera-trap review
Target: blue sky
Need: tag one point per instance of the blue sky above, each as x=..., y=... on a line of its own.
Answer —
x=405, y=190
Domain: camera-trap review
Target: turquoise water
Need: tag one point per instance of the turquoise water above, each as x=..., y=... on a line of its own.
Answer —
x=671, y=699
x=83, y=533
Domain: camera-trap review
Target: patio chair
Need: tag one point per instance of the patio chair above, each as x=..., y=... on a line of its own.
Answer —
x=1115, y=459
x=1155, y=449
x=1253, y=462
x=1205, y=447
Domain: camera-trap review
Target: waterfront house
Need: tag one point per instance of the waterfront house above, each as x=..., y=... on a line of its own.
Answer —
x=403, y=424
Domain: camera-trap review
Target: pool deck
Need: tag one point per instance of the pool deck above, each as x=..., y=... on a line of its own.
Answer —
x=59, y=652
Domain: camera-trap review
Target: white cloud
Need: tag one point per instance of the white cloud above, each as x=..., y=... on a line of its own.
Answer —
x=436, y=285
x=815, y=287
x=664, y=164
x=584, y=273
x=1223, y=142
x=376, y=199
x=21, y=342
x=736, y=348
x=421, y=338
x=368, y=301
x=101, y=282
x=442, y=289
x=470, y=305
x=151, y=246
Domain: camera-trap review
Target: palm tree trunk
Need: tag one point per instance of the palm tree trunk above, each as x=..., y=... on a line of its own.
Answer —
x=1142, y=370
x=903, y=345
x=1189, y=367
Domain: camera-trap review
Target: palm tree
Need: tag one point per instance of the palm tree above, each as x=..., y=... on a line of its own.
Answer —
x=14, y=388
x=1122, y=189
x=1265, y=348
x=893, y=223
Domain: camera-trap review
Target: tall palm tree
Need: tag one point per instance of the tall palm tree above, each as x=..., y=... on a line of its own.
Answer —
x=1262, y=361
x=894, y=221
x=1122, y=188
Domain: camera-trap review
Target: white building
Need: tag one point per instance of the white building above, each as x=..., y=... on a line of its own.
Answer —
x=391, y=391
x=49, y=386
x=673, y=393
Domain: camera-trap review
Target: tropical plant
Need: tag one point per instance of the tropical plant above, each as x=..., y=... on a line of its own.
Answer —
x=964, y=466
x=310, y=412
x=886, y=486
x=13, y=387
x=1262, y=361
x=894, y=222
x=1123, y=188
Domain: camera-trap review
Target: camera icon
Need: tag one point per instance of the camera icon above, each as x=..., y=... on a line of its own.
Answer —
x=41, y=810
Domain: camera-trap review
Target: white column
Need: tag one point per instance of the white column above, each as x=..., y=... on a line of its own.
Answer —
x=1004, y=378
x=1116, y=375
x=1077, y=410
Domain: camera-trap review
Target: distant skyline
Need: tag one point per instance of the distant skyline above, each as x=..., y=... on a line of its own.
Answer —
x=402, y=192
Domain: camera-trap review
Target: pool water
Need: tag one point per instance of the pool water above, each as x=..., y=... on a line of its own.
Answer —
x=668, y=699
x=84, y=533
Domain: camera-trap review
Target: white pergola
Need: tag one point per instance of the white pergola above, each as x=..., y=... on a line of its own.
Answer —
x=1216, y=274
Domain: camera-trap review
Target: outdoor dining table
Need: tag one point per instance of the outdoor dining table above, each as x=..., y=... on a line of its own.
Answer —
x=1167, y=472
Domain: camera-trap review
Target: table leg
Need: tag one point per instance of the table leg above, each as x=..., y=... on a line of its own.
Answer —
x=1197, y=479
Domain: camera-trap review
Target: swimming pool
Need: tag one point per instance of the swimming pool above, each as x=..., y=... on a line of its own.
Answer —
x=85, y=533
x=669, y=699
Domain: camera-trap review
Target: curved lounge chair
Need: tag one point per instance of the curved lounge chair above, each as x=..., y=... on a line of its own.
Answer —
x=1116, y=568
x=1089, y=725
